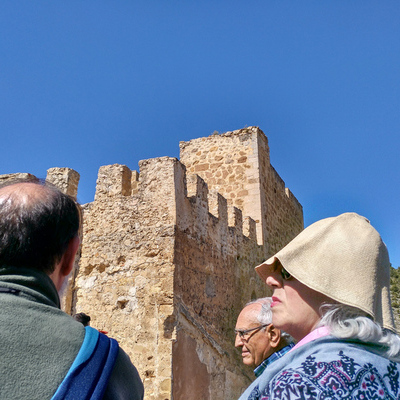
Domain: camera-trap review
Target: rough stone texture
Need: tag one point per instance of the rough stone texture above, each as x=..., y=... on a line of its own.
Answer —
x=7, y=177
x=64, y=178
x=194, y=380
x=125, y=277
x=237, y=165
x=168, y=255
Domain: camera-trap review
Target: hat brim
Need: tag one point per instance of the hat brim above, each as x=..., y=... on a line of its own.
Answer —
x=265, y=269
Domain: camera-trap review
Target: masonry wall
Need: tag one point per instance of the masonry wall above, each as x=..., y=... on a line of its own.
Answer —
x=125, y=276
x=214, y=277
x=282, y=214
x=166, y=277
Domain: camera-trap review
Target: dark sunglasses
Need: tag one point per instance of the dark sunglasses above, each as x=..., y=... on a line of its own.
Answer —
x=285, y=275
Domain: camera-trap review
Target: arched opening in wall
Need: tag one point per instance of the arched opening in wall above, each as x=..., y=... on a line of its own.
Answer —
x=253, y=295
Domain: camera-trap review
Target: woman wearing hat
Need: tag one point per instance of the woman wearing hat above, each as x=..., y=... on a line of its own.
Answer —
x=331, y=293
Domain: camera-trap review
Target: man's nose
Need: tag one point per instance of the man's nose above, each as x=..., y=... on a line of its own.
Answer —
x=238, y=341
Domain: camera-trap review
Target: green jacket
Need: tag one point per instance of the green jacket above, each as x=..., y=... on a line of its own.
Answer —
x=39, y=342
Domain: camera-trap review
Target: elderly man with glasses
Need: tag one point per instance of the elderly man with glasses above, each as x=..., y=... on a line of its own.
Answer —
x=260, y=341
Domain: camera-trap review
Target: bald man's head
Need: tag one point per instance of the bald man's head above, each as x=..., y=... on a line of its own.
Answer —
x=37, y=221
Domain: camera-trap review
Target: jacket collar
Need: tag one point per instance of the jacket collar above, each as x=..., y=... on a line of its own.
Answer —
x=31, y=283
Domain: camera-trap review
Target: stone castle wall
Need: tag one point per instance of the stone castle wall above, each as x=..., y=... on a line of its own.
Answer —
x=126, y=272
x=168, y=254
x=163, y=272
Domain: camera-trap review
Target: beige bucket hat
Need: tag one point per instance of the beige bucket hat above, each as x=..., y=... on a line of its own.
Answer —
x=343, y=258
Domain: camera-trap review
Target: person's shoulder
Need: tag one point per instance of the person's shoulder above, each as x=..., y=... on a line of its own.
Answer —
x=125, y=382
x=346, y=370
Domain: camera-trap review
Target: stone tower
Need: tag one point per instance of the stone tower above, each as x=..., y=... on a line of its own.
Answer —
x=237, y=165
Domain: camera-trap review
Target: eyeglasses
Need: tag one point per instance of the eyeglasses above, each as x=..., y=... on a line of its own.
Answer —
x=285, y=275
x=243, y=333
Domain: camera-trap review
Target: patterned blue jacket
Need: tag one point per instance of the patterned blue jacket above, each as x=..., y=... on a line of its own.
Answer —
x=328, y=368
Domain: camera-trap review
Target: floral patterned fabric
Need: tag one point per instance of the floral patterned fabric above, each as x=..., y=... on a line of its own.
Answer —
x=339, y=379
x=329, y=369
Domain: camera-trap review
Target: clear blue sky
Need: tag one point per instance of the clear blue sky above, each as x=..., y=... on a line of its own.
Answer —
x=89, y=83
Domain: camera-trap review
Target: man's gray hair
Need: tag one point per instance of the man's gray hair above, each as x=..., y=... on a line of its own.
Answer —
x=265, y=316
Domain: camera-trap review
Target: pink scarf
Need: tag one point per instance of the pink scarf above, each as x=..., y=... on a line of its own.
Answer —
x=315, y=334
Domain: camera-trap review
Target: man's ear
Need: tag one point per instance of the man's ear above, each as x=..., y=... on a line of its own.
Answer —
x=64, y=267
x=274, y=335
x=68, y=258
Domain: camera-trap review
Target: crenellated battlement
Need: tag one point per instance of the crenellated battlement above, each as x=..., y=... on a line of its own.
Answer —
x=118, y=180
x=64, y=178
x=113, y=180
x=237, y=165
